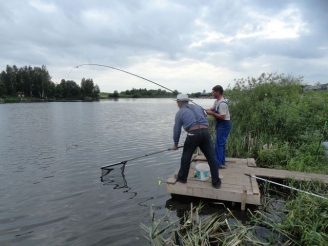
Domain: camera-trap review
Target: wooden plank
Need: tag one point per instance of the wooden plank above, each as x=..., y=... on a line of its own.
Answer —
x=208, y=183
x=255, y=186
x=224, y=187
x=199, y=158
x=218, y=194
x=283, y=174
x=228, y=159
x=171, y=179
x=194, y=156
x=251, y=162
x=236, y=160
x=243, y=199
x=226, y=176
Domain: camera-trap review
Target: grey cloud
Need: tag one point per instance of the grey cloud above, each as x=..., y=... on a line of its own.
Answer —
x=64, y=37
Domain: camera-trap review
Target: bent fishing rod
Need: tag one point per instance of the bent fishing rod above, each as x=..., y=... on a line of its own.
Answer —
x=135, y=158
x=121, y=70
x=286, y=186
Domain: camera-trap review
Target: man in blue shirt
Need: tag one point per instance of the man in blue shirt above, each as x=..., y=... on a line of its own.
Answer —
x=194, y=120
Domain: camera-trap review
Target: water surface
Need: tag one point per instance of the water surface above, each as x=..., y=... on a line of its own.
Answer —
x=50, y=155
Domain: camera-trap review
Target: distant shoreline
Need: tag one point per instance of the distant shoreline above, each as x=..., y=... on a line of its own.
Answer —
x=35, y=100
x=5, y=101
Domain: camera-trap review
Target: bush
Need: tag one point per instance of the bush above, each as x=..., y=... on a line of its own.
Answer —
x=277, y=123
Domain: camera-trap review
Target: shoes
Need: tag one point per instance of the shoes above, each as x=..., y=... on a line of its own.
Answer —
x=221, y=167
x=217, y=186
x=179, y=180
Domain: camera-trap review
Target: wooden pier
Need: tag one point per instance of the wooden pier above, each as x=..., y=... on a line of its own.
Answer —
x=236, y=186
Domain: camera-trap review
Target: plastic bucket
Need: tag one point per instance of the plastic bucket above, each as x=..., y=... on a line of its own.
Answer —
x=202, y=171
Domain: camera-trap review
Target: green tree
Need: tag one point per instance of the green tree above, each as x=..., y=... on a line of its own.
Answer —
x=41, y=79
x=72, y=90
x=8, y=77
x=115, y=94
x=59, y=91
x=96, y=92
x=2, y=88
x=87, y=87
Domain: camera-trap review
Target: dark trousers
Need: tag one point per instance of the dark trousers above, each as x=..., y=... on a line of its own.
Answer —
x=198, y=138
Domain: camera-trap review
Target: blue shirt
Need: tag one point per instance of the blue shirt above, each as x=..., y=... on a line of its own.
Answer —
x=185, y=118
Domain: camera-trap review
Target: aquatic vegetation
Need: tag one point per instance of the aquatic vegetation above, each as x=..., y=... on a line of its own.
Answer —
x=216, y=229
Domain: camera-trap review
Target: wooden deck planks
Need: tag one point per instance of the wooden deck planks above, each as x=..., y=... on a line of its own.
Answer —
x=193, y=188
x=236, y=186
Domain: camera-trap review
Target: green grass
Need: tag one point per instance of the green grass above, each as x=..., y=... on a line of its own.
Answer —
x=278, y=124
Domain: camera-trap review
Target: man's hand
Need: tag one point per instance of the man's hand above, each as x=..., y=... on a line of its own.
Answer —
x=174, y=147
x=209, y=112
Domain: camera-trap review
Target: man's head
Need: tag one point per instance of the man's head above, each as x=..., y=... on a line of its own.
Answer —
x=217, y=92
x=182, y=99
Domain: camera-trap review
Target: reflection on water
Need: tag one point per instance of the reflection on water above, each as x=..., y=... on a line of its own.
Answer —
x=109, y=176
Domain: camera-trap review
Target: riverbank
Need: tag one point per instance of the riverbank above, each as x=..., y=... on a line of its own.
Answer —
x=38, y=100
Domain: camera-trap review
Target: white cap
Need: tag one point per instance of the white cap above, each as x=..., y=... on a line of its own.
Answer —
x=182, y=98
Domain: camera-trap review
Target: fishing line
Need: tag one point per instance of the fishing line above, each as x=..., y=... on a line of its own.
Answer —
x=135, y=158
x=286, y=186
x=121, y=70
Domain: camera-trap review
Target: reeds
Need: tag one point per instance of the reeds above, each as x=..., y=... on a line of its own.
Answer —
x=216, y=229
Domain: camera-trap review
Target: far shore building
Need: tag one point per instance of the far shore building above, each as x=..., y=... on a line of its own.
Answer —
x=20, y=94
x=206, y=94
x=316, y=87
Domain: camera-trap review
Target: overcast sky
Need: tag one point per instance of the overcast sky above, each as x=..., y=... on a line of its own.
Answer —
x=188, y=45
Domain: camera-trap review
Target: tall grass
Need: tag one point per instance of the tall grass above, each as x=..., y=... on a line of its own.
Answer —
x=277, y=123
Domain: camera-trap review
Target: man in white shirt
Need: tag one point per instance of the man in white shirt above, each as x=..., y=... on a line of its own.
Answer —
x=220, y=111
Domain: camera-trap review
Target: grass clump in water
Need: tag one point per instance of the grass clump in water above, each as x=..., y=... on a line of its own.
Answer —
x=216, y=229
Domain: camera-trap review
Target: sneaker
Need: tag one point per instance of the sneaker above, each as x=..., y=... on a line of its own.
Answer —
x=179, y=180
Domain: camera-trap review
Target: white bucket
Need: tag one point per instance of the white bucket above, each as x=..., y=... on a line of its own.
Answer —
x=203, y=171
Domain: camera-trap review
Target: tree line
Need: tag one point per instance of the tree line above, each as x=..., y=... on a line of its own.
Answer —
x=144, y=93
x=36, y=82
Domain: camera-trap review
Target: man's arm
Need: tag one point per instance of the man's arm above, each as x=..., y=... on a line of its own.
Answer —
x=177, y=130
x=215, y=115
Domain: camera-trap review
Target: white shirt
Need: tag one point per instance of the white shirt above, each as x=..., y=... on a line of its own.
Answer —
x=222, y=108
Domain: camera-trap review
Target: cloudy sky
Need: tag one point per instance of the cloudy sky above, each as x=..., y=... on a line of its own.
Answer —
x=188, y=45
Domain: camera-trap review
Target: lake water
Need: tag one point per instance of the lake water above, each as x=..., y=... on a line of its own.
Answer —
x=50, y=158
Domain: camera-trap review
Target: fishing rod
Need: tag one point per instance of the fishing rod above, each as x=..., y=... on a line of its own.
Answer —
x=121, y=70
x=286, y=186
x=135, y=158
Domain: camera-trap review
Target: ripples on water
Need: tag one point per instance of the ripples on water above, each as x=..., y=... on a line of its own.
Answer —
x=50, y=155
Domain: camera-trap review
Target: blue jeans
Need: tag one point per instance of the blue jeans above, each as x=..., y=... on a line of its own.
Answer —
x=222, y=131
x=198, y=138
